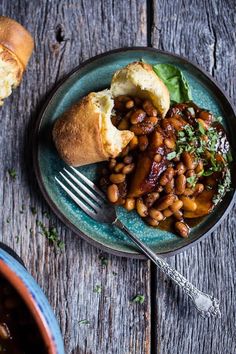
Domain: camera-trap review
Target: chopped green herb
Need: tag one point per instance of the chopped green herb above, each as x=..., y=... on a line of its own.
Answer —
x=104, y=260
x=219, y=119
x=83, y=322
x=171, y=155
x=192, y=181
x=12, y=173
x=46, y=214
x=51, y=234
x=33, y=210
x=201, y=128
x=223, y=187
x=139, y=299
x=97, y=289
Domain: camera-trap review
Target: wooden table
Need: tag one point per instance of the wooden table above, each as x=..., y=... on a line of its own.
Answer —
x=66, y=33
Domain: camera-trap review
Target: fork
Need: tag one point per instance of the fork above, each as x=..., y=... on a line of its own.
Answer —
x=94, y=203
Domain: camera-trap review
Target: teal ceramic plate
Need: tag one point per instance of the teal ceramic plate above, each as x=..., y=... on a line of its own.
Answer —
x=94, y=75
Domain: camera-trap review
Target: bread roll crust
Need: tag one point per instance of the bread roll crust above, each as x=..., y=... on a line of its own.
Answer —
x=16, y=39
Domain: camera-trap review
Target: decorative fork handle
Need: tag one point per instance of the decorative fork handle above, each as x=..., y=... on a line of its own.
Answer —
x=206, y=305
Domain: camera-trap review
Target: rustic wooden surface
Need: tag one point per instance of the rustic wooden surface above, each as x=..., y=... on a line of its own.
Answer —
x=66, y=33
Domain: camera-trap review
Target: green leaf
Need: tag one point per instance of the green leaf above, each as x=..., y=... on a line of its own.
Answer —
x=175, y=81
x=139, y=299
x=171, y=155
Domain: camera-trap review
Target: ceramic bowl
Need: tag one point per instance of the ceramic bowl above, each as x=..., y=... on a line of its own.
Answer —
x=12, y=269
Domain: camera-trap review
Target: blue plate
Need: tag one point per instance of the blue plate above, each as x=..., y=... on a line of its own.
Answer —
x=94, y=75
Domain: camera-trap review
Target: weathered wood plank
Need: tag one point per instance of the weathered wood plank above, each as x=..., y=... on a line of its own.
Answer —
x=66, y=33
x=203, y=31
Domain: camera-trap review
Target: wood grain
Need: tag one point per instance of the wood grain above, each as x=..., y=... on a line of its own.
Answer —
x=66, y=33
x=202, y=31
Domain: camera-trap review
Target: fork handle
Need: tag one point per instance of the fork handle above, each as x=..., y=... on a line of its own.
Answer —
x=206, y=305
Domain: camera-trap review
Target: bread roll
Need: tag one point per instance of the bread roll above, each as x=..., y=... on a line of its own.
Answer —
x=139, y=79
x=16, y=46
x=84, y=134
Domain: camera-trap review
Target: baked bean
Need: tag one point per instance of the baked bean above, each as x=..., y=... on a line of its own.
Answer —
x=120, y=201
x=188, y=191
x=118, y=168
x=142, y=210
x=180, y=184
x=4, y=331
x=151, y=221
x=128, y=168
x=117, y=178
x=182, y=229
x=166, y=176
x=112, y=164
x=178, y=215
x=167, y=213
x=138, y=116
x=151, y=198
x=156, y=214
x=165, y=202
x=157, y=158
x=149, y=108
x=176, y=123
x=180, y=168
x=153, y=120
x=113, y=193
x=142, y=128
x=143, y=142
x=128, y=159
x=170, y=143
x=188, y=160
x=129, y=204
x=176, y=205
x=123, y=125
x=188, y=203
x=125, y=151
x=199, y=188
x=133, y=143
x=157, y=139
x=129, y=104
x=206, y=116
x=199, y=167
x=169, y=187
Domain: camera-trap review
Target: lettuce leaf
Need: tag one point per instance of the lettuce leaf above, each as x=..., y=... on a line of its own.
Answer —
x=175, y=81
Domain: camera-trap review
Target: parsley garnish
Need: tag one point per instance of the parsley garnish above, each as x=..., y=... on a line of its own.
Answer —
x=104, y=260
x=97, y=289
x=192, y=181
x=223, y=187
x=51, y=234
x=139, y=299
x=171, y=155
x=12, y=173
x=83, y=322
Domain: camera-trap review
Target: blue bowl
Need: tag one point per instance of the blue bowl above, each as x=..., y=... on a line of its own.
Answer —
x=12, y=269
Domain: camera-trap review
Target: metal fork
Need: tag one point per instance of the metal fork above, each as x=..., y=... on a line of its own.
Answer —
x=94, y=203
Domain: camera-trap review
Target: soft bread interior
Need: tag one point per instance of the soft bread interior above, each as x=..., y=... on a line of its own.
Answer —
x=138, y=79
x=113, y=140
x=10, y=73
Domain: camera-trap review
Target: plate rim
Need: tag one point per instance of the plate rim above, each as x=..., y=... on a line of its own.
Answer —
x=37, y=171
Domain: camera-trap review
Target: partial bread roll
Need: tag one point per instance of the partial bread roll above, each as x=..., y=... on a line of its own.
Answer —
x=16, y=46
x=139, y=79
x=85, y=134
